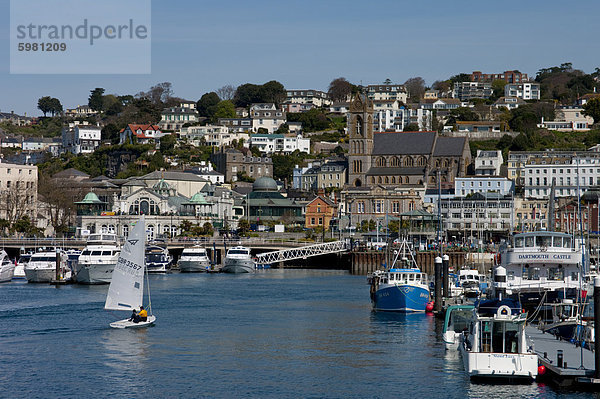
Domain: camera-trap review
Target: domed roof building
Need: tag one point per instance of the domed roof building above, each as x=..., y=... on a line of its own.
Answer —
x=264, y=183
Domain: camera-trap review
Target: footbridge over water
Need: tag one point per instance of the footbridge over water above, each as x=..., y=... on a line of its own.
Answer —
x=267, y=258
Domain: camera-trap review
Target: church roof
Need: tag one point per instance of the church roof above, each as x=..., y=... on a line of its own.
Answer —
x=449, y=146
x=399, y=143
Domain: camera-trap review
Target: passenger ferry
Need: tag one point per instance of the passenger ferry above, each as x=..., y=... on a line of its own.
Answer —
x=541, y=266
x=402, y=288
x=495, y=344
x=98, y=259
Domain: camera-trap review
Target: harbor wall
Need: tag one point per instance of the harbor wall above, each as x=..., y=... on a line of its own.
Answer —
x=364, y=262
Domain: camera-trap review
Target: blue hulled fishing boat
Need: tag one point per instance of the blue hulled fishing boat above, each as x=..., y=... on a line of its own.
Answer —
x=402, y=288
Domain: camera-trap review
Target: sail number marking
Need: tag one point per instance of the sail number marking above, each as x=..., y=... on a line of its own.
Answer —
x=127, y=266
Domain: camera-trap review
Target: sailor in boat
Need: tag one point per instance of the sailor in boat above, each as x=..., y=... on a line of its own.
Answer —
x=141, y=316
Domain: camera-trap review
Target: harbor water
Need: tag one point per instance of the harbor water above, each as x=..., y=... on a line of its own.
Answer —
x=277, y=333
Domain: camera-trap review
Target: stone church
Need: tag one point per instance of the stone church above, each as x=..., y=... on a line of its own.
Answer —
x=401, y=159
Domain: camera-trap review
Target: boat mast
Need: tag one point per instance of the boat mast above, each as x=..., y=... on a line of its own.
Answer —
x=551, y=205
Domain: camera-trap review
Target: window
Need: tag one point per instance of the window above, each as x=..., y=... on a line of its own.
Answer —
x=312, y=220
x=360, y=207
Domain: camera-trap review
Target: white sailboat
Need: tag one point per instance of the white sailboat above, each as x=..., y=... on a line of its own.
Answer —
x=126, y=290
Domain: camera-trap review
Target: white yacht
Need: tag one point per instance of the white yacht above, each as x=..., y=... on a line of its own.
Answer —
x=194, y=259
x=41, y=268
x=495, y=344
x=158, y=259
x=7, y=267
x=470, y=280
x=20, y=268
x=239, y=260
x=98, y=259
x=541, y=266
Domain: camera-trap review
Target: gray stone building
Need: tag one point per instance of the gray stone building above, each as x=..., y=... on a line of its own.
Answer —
x=401, y=159
x=230, y=162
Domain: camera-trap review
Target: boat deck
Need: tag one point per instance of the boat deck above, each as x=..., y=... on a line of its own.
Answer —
x=546, y=346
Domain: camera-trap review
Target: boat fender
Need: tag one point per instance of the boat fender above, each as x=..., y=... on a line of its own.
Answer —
x=541, y=369
x=429, y=306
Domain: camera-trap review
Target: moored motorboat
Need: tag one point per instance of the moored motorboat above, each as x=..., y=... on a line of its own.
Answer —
x=7, y=267
x=456, y=321
x=194, y=259
x=97, y=260
x=239, y=260
x=158, y=259
x=19, y=273
x=41, y=268
x=402, y=288
x=469, y=281
x=495, y=345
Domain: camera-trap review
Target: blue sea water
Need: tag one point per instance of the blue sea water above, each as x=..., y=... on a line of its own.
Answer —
x=274, y=334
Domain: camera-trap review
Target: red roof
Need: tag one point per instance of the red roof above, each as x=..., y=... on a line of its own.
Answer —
x=135, y=127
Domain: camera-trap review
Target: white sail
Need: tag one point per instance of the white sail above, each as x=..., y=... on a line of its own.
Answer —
x=126, y=288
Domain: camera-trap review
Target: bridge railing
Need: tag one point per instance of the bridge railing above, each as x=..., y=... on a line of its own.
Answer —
x=301, y=252
x=207, y=241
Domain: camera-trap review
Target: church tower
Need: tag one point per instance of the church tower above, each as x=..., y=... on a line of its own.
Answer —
x=360, y=131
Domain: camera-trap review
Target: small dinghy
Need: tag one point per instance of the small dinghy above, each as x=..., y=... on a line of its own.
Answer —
x=126, y=290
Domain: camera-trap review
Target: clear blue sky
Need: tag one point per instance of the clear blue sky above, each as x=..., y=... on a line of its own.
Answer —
x=200, y=46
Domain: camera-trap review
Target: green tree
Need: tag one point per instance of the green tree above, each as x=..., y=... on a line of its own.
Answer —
x=111, y=105
x=411, y=127
x=273, y=92
x=592, y=109
x=45, y=104
x=96, y=100
x=55, y=106
x=207, y=104
x=283, y=128
x=208, y=229
x=339, y=89
x=462, y=114
x=498, y=87
x=416, y=88
x=224, y=109
x=110, y=132
x=243, y=227
x=247, y=94
x=167, y=144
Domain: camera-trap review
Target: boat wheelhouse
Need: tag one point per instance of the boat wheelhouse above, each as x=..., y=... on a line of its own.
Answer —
x=495, y=344
x=402, y=288
x=542, y=264
x=456, y=322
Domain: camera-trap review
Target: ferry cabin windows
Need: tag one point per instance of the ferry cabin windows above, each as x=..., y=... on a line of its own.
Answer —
x=556, y=274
